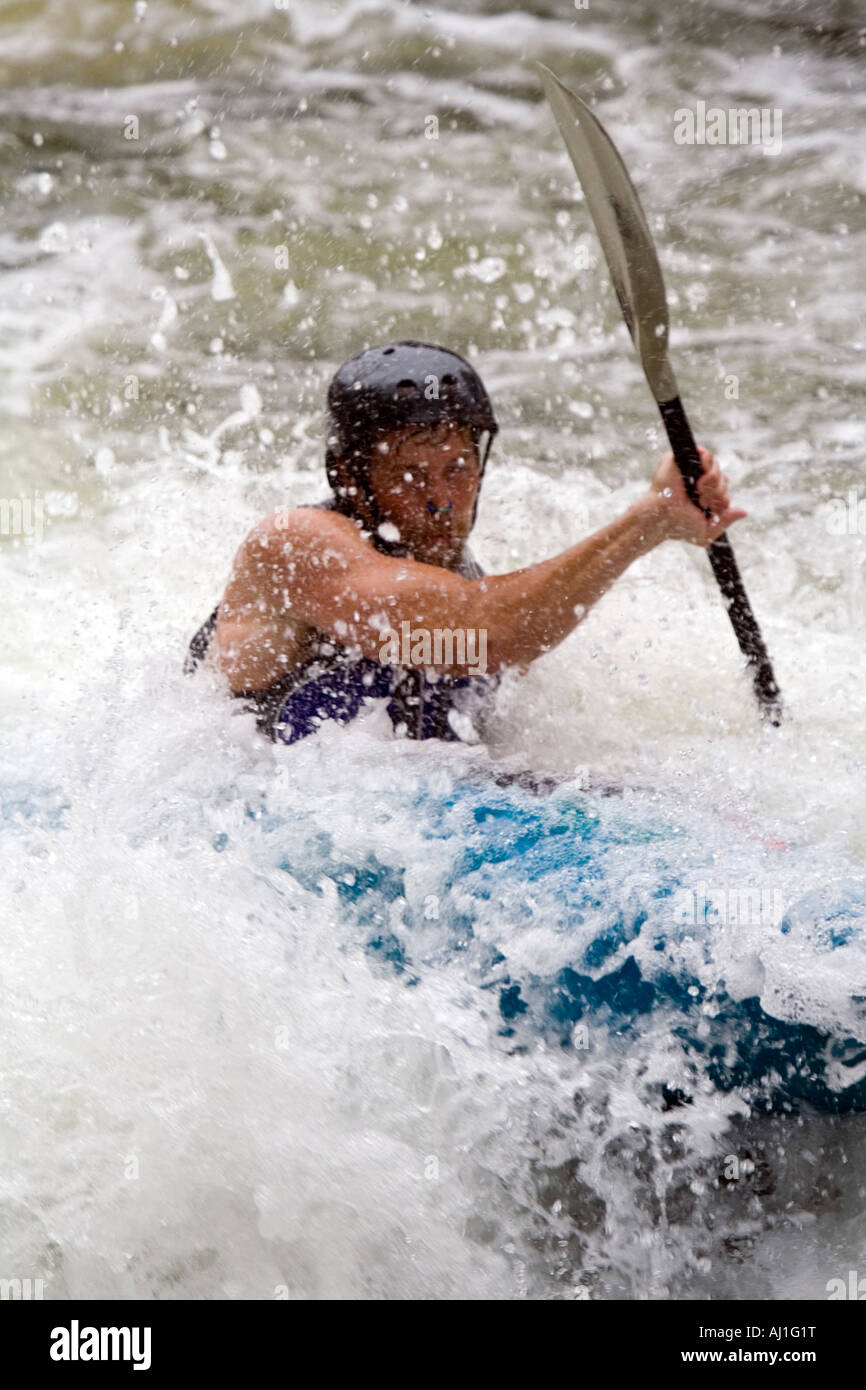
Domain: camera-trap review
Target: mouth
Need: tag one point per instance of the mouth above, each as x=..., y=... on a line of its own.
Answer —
x=439, y=544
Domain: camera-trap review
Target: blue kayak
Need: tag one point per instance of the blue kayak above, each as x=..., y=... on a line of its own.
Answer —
x=583, y=919
x=616, y=889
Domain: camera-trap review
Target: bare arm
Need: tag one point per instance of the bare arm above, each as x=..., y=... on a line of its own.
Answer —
x=339, y=584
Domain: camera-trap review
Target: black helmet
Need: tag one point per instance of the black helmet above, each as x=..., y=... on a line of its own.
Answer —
x=389, y=387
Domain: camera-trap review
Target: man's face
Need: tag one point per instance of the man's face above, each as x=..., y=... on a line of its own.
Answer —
x=425, y=482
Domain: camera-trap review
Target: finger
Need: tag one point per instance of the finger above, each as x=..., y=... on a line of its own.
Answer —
x=721, y=523
x=711, y=472
x=719, y=511
x=712, y=481
x=717, y=497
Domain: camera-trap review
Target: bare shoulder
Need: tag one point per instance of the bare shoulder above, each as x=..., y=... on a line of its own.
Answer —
x=291, y=550
x=303, y=527
x=305, y=535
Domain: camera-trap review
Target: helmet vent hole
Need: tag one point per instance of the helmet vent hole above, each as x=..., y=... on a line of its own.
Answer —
x=405, y=388
x=386, y=352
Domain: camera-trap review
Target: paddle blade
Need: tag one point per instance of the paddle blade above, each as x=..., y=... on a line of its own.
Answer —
x=622, y=230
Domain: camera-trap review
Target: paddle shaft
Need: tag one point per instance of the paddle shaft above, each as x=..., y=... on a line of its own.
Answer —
x=721, y=556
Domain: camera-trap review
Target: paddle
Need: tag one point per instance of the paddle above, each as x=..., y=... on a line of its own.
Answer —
x=637, y=278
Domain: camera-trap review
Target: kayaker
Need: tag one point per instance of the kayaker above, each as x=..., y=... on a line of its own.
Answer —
x=374, y=594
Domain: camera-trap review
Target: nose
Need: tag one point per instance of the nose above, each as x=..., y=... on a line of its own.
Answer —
x=438, y=491
x=439, y=487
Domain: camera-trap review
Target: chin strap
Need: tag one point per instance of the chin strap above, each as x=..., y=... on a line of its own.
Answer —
x=483, y=457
